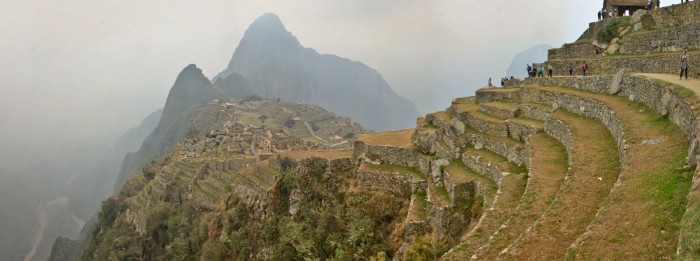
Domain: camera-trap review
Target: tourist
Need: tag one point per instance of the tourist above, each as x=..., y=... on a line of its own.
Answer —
x=549, y=70
x=529, y=70
x=539, y=71
x=684, y=64
x=571, y=69
x=584, y=68
x=490, y=82
x=600, y=13
x=649, y=5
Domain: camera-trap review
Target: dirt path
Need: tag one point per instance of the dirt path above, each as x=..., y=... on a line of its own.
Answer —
x=692, y=84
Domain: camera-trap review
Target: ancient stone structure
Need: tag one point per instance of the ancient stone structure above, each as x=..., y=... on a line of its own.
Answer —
x=623, y=6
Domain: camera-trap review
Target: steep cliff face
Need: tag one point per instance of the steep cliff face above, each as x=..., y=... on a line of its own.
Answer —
x=278, y=66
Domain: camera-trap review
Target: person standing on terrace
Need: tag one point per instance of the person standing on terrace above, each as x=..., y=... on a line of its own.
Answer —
x=684, y=64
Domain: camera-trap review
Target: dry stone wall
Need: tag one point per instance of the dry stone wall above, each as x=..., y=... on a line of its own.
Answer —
x=661, y=97
x=656, y=63
x=406, y=157
x=396, y=184
x=574, y=50
x=674, y=39
x=677, y=15
x=492, y=94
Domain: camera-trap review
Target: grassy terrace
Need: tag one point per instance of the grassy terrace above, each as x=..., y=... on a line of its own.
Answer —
x=388, y=168
x=324, y=154
x=549, y=166
x=581, y=196
x=644, y=212
x=443, y=116
x=399, y=139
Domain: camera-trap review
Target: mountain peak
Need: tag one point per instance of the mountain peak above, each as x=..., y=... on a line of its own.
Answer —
x=267, y=25
x=268, y=20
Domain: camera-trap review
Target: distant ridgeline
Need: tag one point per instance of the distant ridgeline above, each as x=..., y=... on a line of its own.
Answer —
x=567, y=167
x=271, y=63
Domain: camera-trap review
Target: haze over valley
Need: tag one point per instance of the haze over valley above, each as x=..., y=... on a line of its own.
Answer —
x=83, y=83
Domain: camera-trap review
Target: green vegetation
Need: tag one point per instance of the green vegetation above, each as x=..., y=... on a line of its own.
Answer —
x=683, y=92
x=329, y=223
x=648, y=22
x=422, y=204
x=427, y=247
x=611, y=30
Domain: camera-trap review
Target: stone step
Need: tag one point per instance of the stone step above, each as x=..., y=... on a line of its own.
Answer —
x=653, y=152
x=582, y=194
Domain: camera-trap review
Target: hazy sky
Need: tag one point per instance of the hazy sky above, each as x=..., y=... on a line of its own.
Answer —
x=81, y=72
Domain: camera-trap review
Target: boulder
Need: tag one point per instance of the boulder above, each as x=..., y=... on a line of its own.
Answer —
x=617, y=81
x=637, y=17
x=692, y=152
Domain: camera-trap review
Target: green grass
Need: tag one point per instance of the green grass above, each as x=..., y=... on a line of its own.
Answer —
x=442, y=192
x=422, y=204
x=683, y=92
x=690, y=234
x=670, y=187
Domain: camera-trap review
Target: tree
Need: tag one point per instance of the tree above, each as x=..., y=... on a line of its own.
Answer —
x=262, y=119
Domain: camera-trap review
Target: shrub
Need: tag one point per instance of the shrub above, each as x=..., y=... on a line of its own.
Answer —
x=648, y=21
x=610, y=30
x=290, y=123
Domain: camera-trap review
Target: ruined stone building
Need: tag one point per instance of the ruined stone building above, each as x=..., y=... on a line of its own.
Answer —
x=626, y=5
